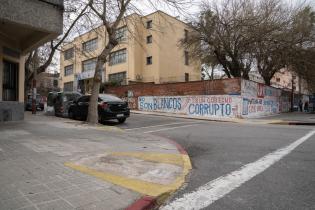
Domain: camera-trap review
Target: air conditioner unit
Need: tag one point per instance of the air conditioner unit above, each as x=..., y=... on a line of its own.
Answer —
x=139, y=77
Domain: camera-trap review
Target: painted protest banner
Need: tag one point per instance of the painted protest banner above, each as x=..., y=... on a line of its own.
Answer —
x=212, y=106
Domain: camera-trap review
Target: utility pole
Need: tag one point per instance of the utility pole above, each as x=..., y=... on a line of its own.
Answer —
x=292, y=95
x=34, y=93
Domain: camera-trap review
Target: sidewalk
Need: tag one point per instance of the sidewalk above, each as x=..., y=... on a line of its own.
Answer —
x=57, y=163
x=295, y=118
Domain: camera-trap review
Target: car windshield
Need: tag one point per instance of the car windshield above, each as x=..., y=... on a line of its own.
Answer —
x=106, y=97
x=38, y=98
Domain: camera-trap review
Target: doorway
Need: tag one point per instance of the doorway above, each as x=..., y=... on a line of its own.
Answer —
x=10, y=81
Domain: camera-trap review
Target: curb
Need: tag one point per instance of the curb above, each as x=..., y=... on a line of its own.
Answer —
x=185, y=117
x=294, y=123
x=148, y=202
x=144, y=203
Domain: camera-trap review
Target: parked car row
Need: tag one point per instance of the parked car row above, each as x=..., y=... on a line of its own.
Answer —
x=39, y=102
x=75, y=106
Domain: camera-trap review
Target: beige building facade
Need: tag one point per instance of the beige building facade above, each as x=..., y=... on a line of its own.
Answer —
x=24, y=25
x=148, y=51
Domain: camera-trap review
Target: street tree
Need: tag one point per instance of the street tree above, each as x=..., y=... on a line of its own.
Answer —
x=221, y=35
x=302, y=54
x=282, y=36
x=41, y=58
x=271, y=40
x=110, y=13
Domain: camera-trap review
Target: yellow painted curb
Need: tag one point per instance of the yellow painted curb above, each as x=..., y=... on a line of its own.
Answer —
x=175, y=159
x=109, y=128
x=143, y=187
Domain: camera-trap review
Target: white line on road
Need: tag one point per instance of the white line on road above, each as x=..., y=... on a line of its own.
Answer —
x=153, y=126
x=218, y=188
x=165, y=129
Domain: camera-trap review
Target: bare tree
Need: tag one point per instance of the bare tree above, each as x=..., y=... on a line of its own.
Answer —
x=271, y=38
x=282, y=35
x=241, y=35
x=221, y=35
x=111, y=13
x=41, y=58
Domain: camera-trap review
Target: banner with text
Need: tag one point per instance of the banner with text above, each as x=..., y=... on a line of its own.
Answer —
x=212, y=106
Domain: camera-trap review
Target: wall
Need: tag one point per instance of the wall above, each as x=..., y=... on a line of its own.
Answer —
x=215, y=87
x=259, y=99
x=11, y=111
x=227, y=98
x=168, y=57
x=218, y=106
x=34, y=14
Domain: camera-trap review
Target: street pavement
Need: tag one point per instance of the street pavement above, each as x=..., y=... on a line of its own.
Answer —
x=234, y=165
x=57, y=163
x=220, y=152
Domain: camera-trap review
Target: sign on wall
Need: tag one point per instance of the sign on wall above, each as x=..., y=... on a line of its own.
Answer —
x=259, y=99
x=214, y=106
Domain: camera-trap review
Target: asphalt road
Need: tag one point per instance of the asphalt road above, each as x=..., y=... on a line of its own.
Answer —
x=218, y=149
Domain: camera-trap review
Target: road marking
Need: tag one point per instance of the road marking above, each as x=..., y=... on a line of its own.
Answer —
x=218, y=188
x=165, y=129
x=153, y=126
x=143, y=187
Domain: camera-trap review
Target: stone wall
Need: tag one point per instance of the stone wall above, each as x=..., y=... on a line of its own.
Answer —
x=11, y=111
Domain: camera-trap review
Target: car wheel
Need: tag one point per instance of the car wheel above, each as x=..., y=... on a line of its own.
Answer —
x=121, y=120
x=71, y=114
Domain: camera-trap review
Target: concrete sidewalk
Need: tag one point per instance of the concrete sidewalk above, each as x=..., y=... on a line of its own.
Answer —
x=57, y=163
x=295, y=118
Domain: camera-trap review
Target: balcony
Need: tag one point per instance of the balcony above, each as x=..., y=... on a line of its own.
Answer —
x=27, y=24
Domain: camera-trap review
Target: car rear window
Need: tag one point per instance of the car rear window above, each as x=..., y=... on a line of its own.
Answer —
x=106, y=97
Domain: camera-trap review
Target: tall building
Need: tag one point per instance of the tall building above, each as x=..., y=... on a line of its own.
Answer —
x=24, y=25
x=148, y=51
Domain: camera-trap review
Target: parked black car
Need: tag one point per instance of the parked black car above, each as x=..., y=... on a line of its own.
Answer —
x=109, y=107
x=61, y=102
x=39, y=103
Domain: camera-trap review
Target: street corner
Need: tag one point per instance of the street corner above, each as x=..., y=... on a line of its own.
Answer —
x=154, y=175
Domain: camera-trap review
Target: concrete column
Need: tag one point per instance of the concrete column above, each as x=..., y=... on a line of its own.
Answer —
x=21, y=78
x=1, y=72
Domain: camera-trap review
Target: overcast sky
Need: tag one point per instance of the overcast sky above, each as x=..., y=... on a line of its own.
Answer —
x=193, y=8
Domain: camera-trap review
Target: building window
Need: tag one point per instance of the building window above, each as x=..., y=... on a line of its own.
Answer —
x=10, y=81
x=117, y=57
x=186, y=77
x=149, y=24
x=68, y=86
x=68, y=70
x=68, y=54
x=186, y=58
x=118, y=77
x=149, y=39
x=89, y=65
x=149, y=60
x=186, y=35
x=121, y=34
x=90, y=45
x=278, y=79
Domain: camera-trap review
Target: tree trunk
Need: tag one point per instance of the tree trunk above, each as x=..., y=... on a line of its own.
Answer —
x=245, y=75
x=267, y=81
x=93, y=104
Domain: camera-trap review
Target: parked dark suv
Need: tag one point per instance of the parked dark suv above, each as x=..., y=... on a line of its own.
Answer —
x=109, y=107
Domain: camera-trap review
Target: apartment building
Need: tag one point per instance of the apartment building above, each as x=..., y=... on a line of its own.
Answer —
x=24, y=25
x=148, y=51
